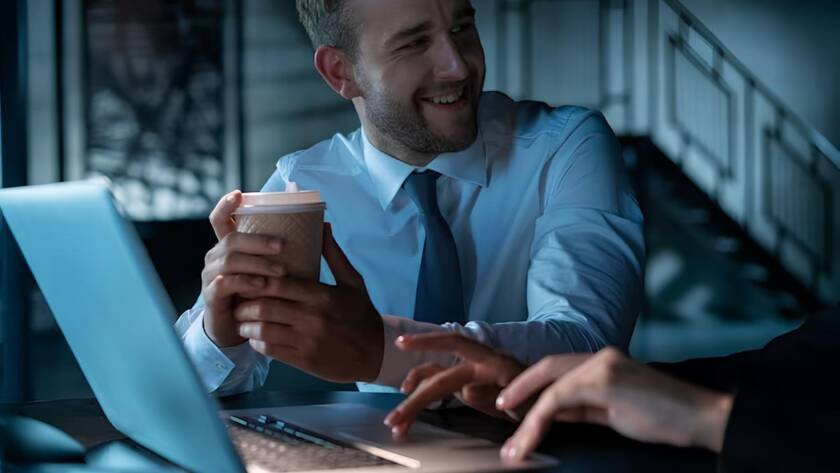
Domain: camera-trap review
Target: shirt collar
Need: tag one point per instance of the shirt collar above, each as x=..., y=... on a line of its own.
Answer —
x=388, y=173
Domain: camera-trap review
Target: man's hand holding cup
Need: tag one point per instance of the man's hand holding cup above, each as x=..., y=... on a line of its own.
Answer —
x=260, y=284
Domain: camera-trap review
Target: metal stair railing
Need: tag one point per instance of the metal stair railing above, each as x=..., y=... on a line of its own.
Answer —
x=655, y=70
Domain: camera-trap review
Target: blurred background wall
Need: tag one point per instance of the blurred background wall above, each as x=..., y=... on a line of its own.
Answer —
x=790, y=45
x=725, y=111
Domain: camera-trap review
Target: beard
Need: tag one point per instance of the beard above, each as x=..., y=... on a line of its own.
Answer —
x=405, y=125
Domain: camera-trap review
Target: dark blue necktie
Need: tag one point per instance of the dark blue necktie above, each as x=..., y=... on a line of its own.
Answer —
x=440, y=297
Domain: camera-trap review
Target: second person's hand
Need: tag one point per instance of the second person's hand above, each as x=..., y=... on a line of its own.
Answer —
x=475, y=381
x=610, y=389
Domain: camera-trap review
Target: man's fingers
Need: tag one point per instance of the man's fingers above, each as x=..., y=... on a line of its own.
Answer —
x=462, y=346
x=270, y=333
x=221, y=217
x=299, y=290
x=224, y=286
x=432, y=389
x=344, y=272
x=248, y=243
x=269, y=310
x=241, y=263
x=480, y=395
x=284, y=353
x=418, y=374
x=535, y=378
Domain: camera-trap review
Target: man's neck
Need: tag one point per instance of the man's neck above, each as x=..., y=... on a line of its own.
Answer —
x=397, y=150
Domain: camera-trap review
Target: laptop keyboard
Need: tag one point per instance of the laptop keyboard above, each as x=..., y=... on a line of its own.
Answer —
x=279, y=446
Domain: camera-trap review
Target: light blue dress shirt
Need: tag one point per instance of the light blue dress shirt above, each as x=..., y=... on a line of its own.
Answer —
x=549, y=238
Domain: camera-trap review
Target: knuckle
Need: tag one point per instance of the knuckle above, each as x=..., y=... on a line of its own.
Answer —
x=231, y=240
x=261, y=310
x=205, y=277
x=606, y=376
x=208, y=257
x=610, y=353
x=611, y=359
x=318, y=324
x=217, y=282
x=326, y=298
x=260, y=330
x=222, y=282
x=267, y=240
x=545, y=365
x=227, y=261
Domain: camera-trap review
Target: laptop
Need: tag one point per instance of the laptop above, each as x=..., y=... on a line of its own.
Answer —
x=111, y=307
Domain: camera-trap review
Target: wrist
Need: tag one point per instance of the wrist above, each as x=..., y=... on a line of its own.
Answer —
x=221, y=342
x=713, y=416
x=377, y=353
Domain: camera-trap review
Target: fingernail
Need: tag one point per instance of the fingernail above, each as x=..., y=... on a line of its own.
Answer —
x=397, y=431
x=509, y=451
x=230, y=198
x=257, y=282
x=243, y=331
x=278, y=270
x=276, y=245
x=389, y=420
x=403, y=389
x=400, y=340
x=500, y=402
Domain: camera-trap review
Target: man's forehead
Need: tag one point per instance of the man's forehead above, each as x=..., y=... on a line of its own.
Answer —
x=387, y=17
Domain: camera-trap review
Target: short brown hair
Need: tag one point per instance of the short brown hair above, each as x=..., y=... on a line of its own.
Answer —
x=328, y=23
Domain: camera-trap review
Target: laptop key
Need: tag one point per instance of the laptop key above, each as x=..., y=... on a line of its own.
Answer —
x=280, y=446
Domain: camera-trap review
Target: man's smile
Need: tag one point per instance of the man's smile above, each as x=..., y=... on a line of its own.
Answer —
x=452, y=99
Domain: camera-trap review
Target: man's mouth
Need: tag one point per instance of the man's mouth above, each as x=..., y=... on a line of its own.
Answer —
x=449, y=98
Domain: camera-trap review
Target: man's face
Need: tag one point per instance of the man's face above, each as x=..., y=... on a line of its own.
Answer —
x=420, y=70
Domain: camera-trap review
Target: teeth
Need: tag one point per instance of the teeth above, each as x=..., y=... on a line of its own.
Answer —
x=447, y=99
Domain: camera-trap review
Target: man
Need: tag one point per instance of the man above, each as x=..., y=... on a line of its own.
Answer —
x=512, y=223
x=773, y=409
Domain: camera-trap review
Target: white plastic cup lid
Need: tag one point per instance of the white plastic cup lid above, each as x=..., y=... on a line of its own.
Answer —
x=292, y=196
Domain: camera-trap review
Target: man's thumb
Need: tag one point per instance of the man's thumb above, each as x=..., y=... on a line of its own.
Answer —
x=343, y=271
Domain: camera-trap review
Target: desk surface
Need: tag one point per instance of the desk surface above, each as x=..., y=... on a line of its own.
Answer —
x=580, y=448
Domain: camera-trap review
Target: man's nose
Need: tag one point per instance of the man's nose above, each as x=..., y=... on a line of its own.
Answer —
x=449, y=64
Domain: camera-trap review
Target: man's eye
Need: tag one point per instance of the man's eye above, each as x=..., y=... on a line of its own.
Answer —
x=414, y=44
x=461, y=28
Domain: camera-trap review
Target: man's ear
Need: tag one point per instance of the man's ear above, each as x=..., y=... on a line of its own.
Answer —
x=337, y=70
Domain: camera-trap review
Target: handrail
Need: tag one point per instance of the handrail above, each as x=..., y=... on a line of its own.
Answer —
x=831, y=152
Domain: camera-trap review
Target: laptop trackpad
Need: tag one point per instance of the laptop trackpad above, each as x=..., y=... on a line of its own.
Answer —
x=420, y=434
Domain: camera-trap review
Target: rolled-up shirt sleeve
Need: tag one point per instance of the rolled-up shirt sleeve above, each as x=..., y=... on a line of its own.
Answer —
x=584, y=287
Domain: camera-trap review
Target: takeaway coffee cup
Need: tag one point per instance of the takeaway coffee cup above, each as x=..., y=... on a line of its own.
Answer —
x=296, y=217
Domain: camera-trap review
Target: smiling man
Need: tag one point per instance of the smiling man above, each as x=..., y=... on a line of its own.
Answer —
x=457, y=210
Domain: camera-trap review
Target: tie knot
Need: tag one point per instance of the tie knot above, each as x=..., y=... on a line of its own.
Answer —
x=422, y=188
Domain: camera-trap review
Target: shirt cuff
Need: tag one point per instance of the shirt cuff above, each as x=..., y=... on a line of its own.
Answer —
x=212, y=364
x=397, y=363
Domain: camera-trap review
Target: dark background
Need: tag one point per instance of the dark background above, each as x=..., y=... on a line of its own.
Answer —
x=725, y=110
